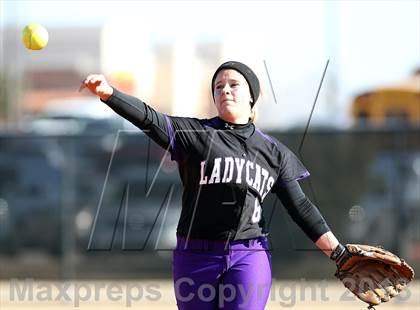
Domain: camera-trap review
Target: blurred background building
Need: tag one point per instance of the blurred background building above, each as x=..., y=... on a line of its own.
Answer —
x=173, y=76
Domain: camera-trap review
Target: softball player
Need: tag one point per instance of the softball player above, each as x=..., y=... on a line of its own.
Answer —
x=227, y=167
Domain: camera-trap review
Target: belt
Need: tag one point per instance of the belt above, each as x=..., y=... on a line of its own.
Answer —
x=216, y=245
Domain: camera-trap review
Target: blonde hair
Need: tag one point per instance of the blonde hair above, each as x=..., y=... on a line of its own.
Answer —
x=253, y=116
x=254, y=113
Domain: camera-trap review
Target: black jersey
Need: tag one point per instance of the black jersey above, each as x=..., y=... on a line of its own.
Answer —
x=226, y=169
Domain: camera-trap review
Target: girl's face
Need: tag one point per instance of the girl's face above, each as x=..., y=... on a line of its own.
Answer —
x=232, y=97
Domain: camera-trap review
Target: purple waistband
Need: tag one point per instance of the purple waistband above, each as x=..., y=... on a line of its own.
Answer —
x=260, y=243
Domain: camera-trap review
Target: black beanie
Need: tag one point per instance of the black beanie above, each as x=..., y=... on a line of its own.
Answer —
x=249, y=75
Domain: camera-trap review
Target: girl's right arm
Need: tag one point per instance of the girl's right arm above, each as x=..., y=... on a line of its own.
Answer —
x=156, y=125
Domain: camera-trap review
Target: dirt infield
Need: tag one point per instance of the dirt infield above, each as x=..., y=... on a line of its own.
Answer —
x=158, y=294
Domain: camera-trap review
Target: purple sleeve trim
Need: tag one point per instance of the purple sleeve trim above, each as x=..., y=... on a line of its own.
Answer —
x=305, y=175
x=170, y=133
x=273, y=141
x=267, y=137
x=302, y=176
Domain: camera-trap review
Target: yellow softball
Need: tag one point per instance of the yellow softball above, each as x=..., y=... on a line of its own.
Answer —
x=35, y=37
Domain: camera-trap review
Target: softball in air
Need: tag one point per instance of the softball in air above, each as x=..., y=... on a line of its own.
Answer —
x=35, y=37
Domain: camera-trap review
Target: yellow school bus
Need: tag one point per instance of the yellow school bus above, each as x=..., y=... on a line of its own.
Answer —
x=395, y=105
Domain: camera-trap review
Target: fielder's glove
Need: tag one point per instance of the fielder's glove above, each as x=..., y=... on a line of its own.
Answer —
x=373, y=274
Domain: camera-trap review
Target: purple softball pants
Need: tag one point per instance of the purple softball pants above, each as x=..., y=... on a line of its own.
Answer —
x=211, y=275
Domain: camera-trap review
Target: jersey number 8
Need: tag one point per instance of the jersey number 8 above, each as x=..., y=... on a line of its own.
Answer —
x=256, y=215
